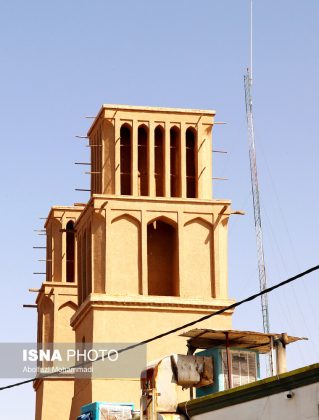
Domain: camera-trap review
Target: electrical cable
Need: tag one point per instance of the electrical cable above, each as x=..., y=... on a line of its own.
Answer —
x=174, y=330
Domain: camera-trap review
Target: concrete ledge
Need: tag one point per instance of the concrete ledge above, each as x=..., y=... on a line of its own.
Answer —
x=158, y=303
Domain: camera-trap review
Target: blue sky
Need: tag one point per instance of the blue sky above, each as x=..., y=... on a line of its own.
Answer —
x=60, y=61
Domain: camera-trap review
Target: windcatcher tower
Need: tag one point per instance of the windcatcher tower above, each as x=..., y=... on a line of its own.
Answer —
x=147, y=253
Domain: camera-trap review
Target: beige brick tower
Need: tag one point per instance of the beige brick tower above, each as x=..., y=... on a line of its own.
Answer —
x=147, y=253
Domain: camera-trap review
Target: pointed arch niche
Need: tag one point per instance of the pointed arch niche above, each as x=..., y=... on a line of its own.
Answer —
x=162, y=258
x=125, y=256
x=198, y=243
x=65, y=313
x=47, y=332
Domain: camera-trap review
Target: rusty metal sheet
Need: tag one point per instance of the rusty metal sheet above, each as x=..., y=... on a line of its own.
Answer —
x=250, y=340
x=192, y=371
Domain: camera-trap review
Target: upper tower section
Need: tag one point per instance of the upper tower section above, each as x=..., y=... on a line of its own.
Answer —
x=152, y=151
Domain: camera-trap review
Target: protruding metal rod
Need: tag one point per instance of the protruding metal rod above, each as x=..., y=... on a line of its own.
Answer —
x=81, y=137
x=39, y=247
x=38, y=273
x=89, y=173
x=219, y=151
x=216, y=123
x=82, y=163
x=81, y=189
x=30, y=306
x=221, y=179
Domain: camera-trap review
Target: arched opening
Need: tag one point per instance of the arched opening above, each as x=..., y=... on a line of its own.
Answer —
x=175, y=161
x=126, y=159
x=162, y=259
x=108, y=158
x=57, y=250
x=142, y=160
x=49, y=255
x=159, y=161
x=191, y=187
x=70, y=251
x=96, y=162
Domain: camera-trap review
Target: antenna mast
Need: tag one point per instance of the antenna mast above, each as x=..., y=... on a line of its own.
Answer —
x=255, y=193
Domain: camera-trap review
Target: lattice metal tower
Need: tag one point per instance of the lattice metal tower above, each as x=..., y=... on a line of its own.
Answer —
x=257, y=214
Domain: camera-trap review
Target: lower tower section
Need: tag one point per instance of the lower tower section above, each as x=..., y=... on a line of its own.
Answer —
x=165, y=264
